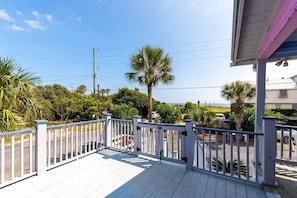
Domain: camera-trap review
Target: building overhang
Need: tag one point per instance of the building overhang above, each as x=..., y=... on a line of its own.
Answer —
x=263, y=30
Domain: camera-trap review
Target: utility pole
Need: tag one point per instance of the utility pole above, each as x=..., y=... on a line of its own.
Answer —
x=94, y=72
x=98, y=91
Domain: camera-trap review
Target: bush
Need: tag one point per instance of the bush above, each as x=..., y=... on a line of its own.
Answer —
x=168, y=113
x=124, y=111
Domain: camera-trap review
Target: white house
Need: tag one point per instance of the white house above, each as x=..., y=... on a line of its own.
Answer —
x=280, y=93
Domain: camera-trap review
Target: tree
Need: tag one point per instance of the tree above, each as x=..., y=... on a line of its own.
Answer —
x=81, y=89
x=237, y=92
x=124, y=111
x=126, y=95
x=18, y=98
x=60, y=99
x=168, y=113
x=86, y=107
x=150, y=66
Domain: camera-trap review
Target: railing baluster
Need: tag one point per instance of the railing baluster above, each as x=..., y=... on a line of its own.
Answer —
x=217, y=152
x=66, y=143
x=282, y=143
x=224, y=154
x=72, y=143
x=85, y=137
x=257, y=158
x=89, y=136
x=238, y=153
x=55, y=146
x=76, y=141
x=30, y=153
x=248, y=157
x=81, y=139
x=203, y=148
x=61, y=144
x=231, y=152
x=22, y=155
x=48, y=147
x=12, y=157
x=2, y=159
x=197, y=147
x=290, y=144
x=209, y=150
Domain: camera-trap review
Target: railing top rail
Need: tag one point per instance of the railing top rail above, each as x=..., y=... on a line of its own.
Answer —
x=166, y=126
x=116, y=119
x=17, y=132
x=226, y=130
x=286, y=126
x=75, y=123
x=162, y=124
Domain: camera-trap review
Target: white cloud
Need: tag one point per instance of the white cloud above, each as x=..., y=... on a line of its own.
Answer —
x=19, y=12
x=35, y=13
x=34, y=24
x=194, y=3
x=25, y=22
x=18, y=28
x=5, y=16
x=49, y=18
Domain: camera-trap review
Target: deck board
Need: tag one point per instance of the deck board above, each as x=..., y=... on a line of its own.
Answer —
x=114, y=174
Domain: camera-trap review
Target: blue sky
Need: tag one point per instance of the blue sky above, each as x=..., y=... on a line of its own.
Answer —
x=54, y=40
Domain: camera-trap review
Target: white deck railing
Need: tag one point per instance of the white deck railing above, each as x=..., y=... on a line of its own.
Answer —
x=71, y=141
x=34, y=151
x=17, y=150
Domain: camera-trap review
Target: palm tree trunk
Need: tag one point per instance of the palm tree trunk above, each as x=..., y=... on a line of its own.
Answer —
x=149, y=94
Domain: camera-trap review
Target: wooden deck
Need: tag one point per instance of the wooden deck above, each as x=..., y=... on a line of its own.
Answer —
x=114, y=174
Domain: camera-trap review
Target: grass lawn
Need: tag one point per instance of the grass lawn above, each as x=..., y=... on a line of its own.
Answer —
x=218, y=109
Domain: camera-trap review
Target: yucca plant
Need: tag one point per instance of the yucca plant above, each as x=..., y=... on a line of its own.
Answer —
x=234, y=165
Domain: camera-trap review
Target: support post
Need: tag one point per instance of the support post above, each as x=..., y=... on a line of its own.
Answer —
x=260, y=94
x=189, y=143
x=107, y=130
x=269, y=151
x=136, y=133
x=40, y=162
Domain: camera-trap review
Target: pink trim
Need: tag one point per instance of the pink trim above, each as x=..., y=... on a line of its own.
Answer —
x=283, y=24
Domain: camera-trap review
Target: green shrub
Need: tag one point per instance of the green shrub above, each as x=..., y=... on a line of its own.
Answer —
x=228, y=163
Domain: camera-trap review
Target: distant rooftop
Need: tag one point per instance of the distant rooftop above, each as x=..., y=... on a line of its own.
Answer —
x=283, y=83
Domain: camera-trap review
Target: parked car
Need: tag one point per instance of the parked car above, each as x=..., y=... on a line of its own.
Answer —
x=220, y=116
x=286, y=135
x=155, y=114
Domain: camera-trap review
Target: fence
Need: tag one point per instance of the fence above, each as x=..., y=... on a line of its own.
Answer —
x=223, y=152
x=17, y=152
x=286, y=143
x=33, y=151
x=227, y=152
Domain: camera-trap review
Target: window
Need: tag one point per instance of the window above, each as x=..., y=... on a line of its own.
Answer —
x=283, y=93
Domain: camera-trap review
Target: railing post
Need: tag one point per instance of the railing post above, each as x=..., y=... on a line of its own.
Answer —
x=268, y=147
x=136, y=133
x=107, y=130
x=189, y=144
x=40, y=162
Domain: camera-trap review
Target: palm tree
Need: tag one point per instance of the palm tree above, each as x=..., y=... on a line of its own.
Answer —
x=229, y=166
x=107, y=91
x=203, y=117
x=18, y=98
x=81, y=89
x=237, y=92
x=150, y=66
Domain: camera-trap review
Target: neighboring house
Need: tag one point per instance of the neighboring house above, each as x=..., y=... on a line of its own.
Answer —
x=280, y=94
